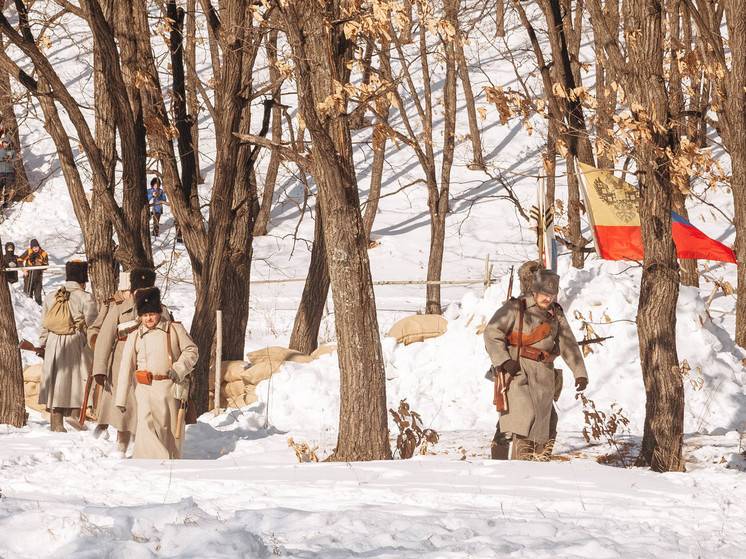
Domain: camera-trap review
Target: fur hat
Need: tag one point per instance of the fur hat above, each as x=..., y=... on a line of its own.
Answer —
x=545, y=281
x=34, y=243
x=141, y=278
x=526, y=275
x=124, y=282
x=77, y=271
x=147, y=300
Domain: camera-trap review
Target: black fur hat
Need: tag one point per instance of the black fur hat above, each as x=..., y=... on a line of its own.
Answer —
x=545, y=281
x=141, y=278
x=77, y=271
x=147, y=300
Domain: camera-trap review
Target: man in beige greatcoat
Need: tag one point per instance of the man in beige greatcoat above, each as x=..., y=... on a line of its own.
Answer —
x=537, y=324
x=158, y=359
x=119, y=320
x=67, y=357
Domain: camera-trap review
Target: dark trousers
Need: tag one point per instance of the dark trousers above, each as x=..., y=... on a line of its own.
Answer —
x=156, y=224
x=32, y=285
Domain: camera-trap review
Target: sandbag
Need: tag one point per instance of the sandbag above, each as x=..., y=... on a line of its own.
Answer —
x=235, y=388
x=259, y=372
x=231, y=371
x=31, y=388
x=32, y=373
x=324, y=349
x=270, y=359
x=277, y=355
x=418, y=328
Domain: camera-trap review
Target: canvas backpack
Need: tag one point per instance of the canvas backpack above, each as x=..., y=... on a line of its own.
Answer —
x=58, y=318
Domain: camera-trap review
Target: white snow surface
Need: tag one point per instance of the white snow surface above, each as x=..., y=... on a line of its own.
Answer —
x=240, y=492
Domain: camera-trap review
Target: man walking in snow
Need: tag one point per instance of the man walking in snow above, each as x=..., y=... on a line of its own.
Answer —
x=34, y=255
x=158, y=359
x=66, y=315
x=117, y=319
x=156, y=199
x=523, y=339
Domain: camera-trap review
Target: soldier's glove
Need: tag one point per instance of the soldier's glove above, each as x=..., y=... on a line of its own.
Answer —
x=581, y=383
x=511, y=366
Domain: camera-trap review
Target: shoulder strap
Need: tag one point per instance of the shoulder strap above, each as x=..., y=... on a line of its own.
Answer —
x=521, y=312
x=168, y=346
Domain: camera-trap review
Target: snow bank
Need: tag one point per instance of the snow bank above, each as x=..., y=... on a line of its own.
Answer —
x=443, y=378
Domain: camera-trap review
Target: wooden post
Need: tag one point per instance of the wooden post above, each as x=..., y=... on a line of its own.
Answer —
x=218, y=359
x=487, y=272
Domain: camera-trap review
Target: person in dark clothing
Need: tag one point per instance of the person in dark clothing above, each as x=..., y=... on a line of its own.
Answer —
x=10, y=260
x=34, y=255
x=156, y=200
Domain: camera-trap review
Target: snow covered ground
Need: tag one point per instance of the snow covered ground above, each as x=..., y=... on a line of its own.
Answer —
x=240, y=491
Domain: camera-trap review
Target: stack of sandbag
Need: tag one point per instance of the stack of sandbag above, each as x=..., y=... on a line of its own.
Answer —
x=324, y=349
x=418, y=328
x=240, y=378
x=32, y=385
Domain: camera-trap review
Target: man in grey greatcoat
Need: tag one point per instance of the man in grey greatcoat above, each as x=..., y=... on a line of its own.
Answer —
x=67, y=357
x=118, y=319
x=523, y=339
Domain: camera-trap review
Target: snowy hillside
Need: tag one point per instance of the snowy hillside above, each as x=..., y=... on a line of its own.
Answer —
x=240, y=492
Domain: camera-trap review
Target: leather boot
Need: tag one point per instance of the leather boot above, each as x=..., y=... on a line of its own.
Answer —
x=73, y=415
x=544, y=452
x=500, y=447
x=523, y=448
x=56, y=422
x=101, y=429
x=123, y=441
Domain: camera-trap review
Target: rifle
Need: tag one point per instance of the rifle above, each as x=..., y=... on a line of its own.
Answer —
x=180, y=419
x=510, y=285
x=596, y=340
x=84, y=407
x=26, y=345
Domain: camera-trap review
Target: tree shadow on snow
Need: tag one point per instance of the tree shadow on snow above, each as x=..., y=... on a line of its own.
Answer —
x=205, y=441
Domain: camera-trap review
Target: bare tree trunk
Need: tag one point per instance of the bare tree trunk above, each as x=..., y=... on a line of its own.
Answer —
x=236, y=289
x=463, y=73
x=235, y=36
x=320, y=53
x=21, y=188
x=213, y=32
x=656, y=316
x=550, y=163
x=438, y=199
x=605, y=95
x=99, y=242
x=12, y=403
x=182, y=120
x=270, y=180
x=191, y=83
x=305, y=335
x=380, y=135
x=689, y=275
x=735, y=140
x=499, y=18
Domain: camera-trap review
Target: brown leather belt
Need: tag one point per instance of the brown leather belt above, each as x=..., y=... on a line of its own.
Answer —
x=161, y=377
x=537, y=355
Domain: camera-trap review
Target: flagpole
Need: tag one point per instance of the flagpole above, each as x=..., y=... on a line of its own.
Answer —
x=588, y=208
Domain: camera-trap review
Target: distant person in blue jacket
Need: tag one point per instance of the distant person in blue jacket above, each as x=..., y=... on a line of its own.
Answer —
x=156, y=201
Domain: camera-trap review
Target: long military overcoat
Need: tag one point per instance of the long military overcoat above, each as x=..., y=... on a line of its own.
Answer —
x=531, y=391
x=67, y=358
x=157, y=403
x=119, y=319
